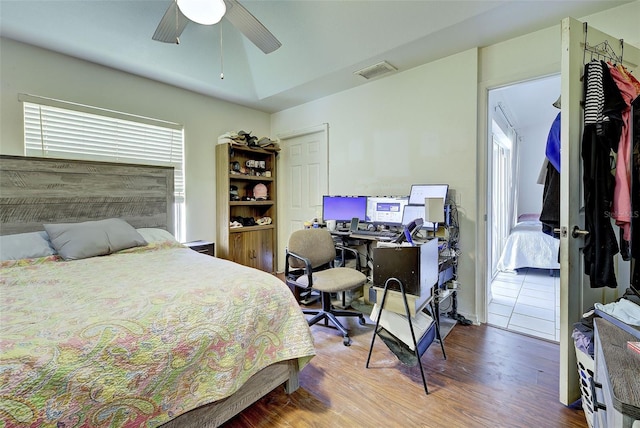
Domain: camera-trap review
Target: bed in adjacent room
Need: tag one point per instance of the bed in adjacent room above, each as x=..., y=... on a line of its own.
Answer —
x=107, y=320
x=529, y=247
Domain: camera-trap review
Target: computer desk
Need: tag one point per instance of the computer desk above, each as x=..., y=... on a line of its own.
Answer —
x=353, y=239
x=446, y=267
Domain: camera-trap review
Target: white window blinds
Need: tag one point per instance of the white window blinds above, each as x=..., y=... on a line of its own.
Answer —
x=59, y=129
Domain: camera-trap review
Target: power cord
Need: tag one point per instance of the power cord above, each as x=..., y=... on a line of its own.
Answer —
x=462, y=320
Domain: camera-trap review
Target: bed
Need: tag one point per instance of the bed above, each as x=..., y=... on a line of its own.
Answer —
x=528, y=247
x=154, y=334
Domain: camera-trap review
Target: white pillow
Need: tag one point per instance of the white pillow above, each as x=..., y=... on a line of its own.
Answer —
x=92, y=238
x=151, y=235
x=30, y=245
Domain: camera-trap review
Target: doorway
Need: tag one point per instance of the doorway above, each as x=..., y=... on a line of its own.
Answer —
x=305, y=178
x=524, y=293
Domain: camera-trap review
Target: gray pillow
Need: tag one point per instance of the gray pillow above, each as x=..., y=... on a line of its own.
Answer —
x=151, y=235
x=92, y=238
x=30, y=245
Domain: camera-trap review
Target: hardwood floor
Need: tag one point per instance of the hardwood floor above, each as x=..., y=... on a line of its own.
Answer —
x=491, y=378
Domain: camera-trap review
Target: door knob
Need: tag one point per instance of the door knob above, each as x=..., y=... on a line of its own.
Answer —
x=577, y=232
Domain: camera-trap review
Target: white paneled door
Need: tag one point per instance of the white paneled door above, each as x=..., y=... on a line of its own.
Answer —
x=304, y=167
x=576, y=294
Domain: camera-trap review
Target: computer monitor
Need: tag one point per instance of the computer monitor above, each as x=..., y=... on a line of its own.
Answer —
x=421, y=191
x=412, y=212
x=343, y=208
x=386, y=210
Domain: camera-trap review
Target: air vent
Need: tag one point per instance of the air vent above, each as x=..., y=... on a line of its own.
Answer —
x=376, y=70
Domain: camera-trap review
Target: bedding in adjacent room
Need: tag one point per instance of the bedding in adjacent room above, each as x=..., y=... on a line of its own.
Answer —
x=137, y=337
x=528, y=246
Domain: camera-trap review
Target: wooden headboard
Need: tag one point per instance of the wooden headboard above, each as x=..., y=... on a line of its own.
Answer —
x=34, y=191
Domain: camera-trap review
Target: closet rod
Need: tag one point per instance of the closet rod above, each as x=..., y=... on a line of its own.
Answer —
x=504, y=114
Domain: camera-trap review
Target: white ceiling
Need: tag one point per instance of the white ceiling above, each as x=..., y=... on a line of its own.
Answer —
x=323, y=42
x=527, y=105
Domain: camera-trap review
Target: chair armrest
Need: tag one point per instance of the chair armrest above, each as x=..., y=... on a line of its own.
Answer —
x=308, y=270
x=351, y=250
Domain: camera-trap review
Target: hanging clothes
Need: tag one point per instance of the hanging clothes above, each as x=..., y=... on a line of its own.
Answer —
x=630, y=77
x=601, y=134
x=621, y=209
x=552, y=150
x=635, y=201
x=630, y=88
x=550, y=214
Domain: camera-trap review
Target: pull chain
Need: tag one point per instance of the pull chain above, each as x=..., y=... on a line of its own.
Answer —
x=177, y=18
x=221, y=56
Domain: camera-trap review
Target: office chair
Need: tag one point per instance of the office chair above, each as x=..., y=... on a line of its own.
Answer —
x=309, y=264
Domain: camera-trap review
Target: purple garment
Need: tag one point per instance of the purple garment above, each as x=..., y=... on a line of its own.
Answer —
x=553, y=144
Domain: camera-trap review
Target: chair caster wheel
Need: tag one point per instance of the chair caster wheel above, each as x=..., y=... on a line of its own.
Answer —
x=362, y=321
x=346, y=341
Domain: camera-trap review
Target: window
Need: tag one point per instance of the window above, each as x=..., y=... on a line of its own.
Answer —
x=59, y=129
x=503, y=190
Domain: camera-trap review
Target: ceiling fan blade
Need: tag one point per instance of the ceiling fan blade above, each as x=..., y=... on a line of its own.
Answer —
x=249, y=25
x=171, y=25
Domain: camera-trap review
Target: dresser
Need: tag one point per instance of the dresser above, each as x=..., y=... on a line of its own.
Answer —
x=617, y=377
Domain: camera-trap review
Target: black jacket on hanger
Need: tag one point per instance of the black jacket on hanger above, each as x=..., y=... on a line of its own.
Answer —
x=598, y=140
x=550, y=214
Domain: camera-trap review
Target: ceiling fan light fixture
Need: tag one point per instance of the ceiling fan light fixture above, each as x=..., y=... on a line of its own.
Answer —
x=205, y=12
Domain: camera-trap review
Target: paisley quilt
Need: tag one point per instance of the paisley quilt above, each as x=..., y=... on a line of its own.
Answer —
x=138, y=337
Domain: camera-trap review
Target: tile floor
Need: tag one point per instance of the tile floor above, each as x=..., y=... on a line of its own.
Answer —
x=527, y=302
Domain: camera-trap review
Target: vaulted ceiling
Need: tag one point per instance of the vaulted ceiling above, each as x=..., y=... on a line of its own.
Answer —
x=323, y=42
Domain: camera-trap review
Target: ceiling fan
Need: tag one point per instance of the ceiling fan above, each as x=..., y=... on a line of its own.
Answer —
x=179, y=14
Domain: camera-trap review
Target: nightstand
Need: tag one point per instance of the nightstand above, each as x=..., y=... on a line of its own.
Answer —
x=204, y=247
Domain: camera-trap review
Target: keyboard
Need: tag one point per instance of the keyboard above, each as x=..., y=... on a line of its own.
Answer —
x=377, y=233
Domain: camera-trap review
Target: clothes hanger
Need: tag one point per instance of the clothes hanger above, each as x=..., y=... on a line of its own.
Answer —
x=602, y=51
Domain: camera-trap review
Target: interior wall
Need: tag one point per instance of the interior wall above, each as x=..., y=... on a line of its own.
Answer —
x=31, y=70
x=621, y=21
x=535, y=115
x=531, y=155
x=417, y=126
